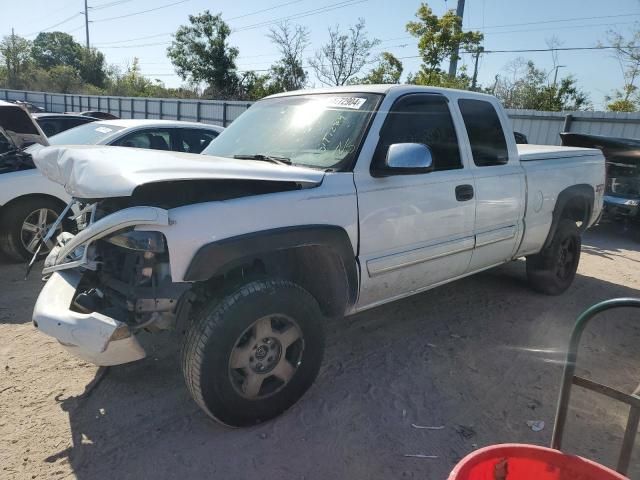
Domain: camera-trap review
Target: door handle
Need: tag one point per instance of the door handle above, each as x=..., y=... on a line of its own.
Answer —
x=464, y=193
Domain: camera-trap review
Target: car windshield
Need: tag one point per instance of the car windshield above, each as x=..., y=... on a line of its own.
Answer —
x=319, y=131
x=87, y=134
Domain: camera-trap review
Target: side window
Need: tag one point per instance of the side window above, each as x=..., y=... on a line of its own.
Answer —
x=488, y=144
x=421, y=119
x=150, y=138
x=49, y=127
x=195, y=140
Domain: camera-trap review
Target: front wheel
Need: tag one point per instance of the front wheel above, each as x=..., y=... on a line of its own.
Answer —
x=552, y=271
x=253, y=354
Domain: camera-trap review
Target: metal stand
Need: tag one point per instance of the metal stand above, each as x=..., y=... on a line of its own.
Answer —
x=569, y=379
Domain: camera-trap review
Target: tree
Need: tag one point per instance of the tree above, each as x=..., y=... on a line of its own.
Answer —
x=15, y=53
x=389, y=70
x=64, y=79
x=528, y=87
x=200, y=53
x=51, y=49
x=92, y=67
x=288, y=73
x=344, y=55
x=438, y=39
x=627, y=52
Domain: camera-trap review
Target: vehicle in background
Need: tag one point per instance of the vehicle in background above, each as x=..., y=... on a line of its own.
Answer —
x=97, y=114
x=317, y=204
x=521, y=138
x=622, y=155
x=171, y=135
x=28, y=106
x=30, y=203
x=54, y=123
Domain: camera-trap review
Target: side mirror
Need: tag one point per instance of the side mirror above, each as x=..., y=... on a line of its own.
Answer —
x=407, y=158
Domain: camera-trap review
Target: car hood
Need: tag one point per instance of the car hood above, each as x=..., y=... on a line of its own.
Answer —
x=17, y=125
x=92, y=172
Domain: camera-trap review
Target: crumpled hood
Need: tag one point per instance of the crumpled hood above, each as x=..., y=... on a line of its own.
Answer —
x=90, y=171
x=18, y=126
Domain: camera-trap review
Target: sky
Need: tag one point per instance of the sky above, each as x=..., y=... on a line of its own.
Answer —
x=124, y=29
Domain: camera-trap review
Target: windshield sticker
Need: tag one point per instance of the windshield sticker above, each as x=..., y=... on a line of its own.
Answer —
x=354, y=103
x=104, y=130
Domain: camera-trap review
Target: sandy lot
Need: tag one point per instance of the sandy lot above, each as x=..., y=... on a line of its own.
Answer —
x=479, y=357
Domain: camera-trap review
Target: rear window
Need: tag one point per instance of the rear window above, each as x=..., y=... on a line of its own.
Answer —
x=88, y=134
x=488, y=144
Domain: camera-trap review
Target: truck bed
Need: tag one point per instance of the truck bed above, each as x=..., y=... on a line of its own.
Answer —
x=551, y=152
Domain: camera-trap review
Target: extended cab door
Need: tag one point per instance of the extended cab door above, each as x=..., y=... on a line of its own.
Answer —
x=416, y=230
x=499, y=183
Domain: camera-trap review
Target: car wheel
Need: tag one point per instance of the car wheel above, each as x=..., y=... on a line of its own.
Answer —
x=552, y=271
x=24, y=225
x=251, y=355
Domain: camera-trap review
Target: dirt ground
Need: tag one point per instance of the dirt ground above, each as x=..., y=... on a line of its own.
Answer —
x=479, y=357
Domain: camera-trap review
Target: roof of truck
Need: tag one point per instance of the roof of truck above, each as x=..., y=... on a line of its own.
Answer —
x=383, y=89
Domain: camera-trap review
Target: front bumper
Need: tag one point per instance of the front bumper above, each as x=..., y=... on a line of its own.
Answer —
x=619, y=206
x=93, y=337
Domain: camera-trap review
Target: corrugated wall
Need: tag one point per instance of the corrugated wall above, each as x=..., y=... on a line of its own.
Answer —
x=539, y=127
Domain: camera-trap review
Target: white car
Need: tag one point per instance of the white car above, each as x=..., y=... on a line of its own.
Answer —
x=29, y=203
x=320, y=204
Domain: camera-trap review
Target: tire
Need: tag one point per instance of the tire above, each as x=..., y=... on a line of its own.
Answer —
x=224, y=363
x=15, y=240
x=552, y=271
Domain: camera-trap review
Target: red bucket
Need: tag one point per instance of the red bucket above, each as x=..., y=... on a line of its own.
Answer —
x=512, y=461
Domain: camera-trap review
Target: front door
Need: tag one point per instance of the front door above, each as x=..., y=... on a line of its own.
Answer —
x=416, y=230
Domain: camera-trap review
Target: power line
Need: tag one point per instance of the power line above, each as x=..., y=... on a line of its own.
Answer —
x=316, y=11
x=55, y=25
x=264, y=10
x=109, y=4
x=537, y=22
x=326, y=8
x=141, y=11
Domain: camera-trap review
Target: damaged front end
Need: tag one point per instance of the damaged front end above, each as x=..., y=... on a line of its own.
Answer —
x=108, y=282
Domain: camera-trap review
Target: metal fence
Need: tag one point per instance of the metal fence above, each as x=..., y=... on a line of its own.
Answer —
x=544, y=127
x=217, y=112
x=539, y=127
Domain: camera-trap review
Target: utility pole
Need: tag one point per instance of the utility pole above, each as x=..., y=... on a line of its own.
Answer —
x=86, y=21
x=453, y=63
x=555, y=76
x=475, y=68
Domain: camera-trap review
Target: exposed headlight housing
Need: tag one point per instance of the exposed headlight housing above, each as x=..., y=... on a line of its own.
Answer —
x=139, y=241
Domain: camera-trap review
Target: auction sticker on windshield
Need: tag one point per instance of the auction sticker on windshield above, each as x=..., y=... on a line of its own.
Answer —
x=104, y=130
x=346, y=102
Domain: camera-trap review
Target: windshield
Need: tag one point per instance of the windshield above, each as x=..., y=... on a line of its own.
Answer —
x=320, y=131
x=87, y=134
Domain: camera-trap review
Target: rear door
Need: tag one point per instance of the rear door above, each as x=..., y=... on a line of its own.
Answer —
x=416, y=230
x=499, y=184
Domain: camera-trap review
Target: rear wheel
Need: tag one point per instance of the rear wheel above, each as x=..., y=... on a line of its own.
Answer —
x=552, y=271
x=253, y=354
x=24, y=225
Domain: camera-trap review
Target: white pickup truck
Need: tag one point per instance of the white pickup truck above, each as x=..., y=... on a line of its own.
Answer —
x=313, y=204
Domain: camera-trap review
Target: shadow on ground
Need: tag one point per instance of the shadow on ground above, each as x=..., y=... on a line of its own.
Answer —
x=480, y=357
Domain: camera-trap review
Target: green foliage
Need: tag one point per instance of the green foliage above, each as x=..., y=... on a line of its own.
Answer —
x=627, y=52
x=389, y=70
x=200, y=53
x=92, y=68
x=621, y=105
x=438, y=38
x=15, y=54
x=529, y=88
x=51, y=49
